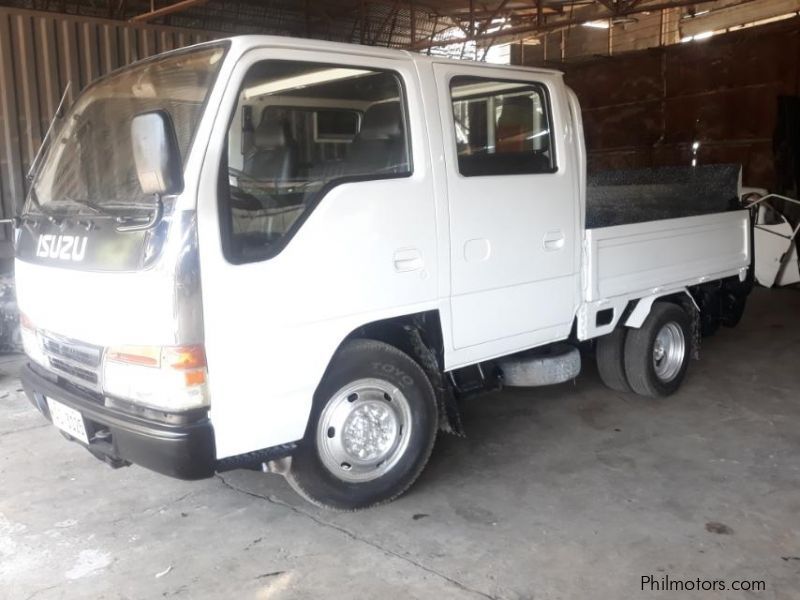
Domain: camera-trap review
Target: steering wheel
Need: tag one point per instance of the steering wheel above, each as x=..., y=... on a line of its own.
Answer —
x=240, y=198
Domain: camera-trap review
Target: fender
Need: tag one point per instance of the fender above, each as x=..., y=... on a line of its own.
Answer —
x=643, y=306
x=420, y=335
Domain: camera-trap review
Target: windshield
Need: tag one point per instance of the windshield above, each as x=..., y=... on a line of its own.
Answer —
x=89, y=165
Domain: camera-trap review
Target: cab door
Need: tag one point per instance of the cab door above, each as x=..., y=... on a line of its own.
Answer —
x=511, y=172
x=299, y=244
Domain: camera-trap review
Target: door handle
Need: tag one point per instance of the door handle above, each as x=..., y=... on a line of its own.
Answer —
x=408, y=259
x=553, y=240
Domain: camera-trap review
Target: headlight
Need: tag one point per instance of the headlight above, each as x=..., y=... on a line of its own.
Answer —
x=31, y=342
x=170, y=378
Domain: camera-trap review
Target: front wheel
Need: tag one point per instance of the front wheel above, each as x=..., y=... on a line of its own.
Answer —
x=657, y=354
x=371, y=430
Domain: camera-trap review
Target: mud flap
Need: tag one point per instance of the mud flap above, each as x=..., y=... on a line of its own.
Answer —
x=449, y=411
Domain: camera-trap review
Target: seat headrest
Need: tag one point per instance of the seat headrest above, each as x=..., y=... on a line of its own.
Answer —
x=271, y=134
x=382, y=121
x=517, y=111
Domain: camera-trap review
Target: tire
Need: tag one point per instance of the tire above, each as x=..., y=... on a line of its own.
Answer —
x=610, y=357
x=710, y=315
x=733, y=298
x=383, y=399
x=647, y=374
x=552, y=365
x=733, y=306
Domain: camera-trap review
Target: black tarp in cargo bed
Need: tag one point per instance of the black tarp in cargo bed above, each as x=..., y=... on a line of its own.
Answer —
x=638, y=195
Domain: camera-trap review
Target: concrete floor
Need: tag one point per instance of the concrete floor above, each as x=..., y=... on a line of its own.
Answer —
x=569, y=492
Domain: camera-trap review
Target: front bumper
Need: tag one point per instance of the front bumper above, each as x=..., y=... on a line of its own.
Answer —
x=185, y=450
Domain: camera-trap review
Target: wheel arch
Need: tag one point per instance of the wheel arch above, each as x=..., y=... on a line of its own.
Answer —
x=683, y=298
x=642, y=307
x=419, y=335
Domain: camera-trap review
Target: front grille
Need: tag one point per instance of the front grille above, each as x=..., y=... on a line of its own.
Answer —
x=76, y=362
x=65, y=367
x=65, y=350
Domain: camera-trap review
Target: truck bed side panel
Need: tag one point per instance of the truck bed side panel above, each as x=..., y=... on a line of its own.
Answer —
x=636, y=259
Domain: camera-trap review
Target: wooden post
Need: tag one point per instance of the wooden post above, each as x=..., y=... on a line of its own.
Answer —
x=433, y=33
x=391, y=30
x=363, y=18
x=471, y=17
x=414, y=23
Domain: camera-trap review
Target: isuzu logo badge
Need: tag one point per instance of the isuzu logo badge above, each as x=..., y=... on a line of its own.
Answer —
x=62, y=247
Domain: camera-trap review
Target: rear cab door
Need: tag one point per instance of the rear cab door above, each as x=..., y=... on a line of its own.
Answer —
x=513, y=198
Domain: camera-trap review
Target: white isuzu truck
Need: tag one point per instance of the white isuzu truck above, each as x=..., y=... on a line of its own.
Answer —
x=299, y=256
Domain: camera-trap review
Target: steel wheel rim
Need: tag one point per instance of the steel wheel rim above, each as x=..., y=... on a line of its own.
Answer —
x=669, y=351
x=364, y=430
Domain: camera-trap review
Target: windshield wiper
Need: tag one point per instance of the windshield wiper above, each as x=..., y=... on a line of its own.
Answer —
x=100, y=211
x=124, y=223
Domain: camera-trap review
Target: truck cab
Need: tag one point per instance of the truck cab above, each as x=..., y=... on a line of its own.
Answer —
x=300, y=255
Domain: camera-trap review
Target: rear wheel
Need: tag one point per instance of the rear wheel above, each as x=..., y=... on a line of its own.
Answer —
x=657, y=354
x=371, y=430
x=732, y=309
x=733, y=299
x=610, y=357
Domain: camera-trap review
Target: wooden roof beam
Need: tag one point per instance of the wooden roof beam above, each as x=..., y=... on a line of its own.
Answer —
x=522, y=31
x=166, y=10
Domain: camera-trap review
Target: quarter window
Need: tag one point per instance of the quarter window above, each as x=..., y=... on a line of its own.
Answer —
x=298, y=129
x=501, y=127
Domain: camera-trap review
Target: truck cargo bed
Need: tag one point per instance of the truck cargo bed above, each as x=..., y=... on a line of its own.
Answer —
x=641, y=258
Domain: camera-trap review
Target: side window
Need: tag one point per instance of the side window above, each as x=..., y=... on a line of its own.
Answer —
x=297, y=129
x=502, y=127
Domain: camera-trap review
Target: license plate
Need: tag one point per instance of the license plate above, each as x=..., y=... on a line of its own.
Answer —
x=68, y=420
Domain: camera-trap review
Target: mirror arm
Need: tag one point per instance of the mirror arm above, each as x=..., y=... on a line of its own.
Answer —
x=154, y=219
x=15, y=222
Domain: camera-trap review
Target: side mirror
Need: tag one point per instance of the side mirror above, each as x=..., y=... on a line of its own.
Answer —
x=156, y=153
